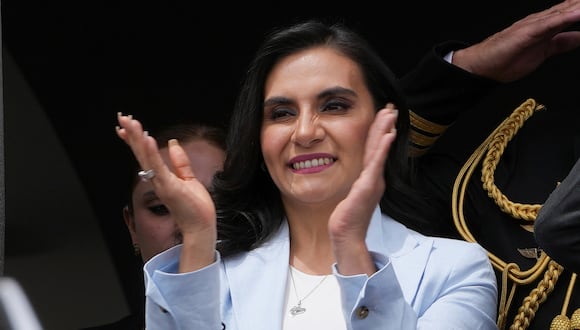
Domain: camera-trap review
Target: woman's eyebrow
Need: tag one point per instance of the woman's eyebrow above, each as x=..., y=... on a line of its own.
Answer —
x=337, y=90
x=276, y=100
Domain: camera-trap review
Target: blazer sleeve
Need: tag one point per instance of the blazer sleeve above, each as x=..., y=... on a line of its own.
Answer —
x=557, y=226
x=438, y=299
x=170, y=308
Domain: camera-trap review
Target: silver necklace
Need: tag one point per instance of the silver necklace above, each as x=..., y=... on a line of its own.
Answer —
x=298, y=309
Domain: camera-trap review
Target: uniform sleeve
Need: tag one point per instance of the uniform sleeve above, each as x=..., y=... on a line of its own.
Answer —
x=438, y=93
x=557, y=226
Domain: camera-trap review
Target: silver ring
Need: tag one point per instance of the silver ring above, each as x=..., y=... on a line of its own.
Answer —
x=146, y=175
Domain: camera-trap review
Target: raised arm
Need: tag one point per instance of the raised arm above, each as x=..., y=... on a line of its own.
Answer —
x=439, y=92
x=186, y=198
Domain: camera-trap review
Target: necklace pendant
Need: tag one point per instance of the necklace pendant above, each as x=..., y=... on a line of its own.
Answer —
x=297, y=310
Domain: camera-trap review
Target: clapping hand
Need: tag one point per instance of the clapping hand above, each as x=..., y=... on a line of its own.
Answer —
x=184, y=196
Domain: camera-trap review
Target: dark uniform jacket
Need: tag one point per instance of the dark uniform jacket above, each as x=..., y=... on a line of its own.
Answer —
x=536, y=156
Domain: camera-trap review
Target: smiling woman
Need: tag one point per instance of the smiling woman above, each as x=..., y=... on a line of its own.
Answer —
x=317, y=120
x=314, y=91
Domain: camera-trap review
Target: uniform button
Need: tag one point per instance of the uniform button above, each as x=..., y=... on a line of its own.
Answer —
x=163, y=310
x=362, y=312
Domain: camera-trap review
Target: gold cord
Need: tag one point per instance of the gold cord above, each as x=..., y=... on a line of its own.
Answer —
x=495, y=145
x=499, y=140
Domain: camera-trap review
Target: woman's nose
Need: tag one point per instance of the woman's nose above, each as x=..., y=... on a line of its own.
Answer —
x=308, y=130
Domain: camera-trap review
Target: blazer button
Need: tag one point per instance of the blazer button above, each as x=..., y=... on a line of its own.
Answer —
x=362, y=312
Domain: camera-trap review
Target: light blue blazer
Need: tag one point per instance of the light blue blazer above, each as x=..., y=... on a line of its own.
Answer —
x=421, y=283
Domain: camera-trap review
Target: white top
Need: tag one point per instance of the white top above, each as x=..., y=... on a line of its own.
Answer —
x=320, y=299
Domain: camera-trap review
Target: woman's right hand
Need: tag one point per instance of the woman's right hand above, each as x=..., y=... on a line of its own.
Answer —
x=185, y=197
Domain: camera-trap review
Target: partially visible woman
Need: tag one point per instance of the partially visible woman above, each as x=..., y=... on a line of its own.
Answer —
x=148, y=220
x=311, y=213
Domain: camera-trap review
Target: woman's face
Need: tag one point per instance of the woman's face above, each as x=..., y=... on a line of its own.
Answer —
x=152, y=226
x=317, y=113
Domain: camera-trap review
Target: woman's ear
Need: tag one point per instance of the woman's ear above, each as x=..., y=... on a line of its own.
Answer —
x=130, y=223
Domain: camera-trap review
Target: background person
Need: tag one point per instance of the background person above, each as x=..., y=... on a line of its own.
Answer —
x=149, y=222
x=494, y=199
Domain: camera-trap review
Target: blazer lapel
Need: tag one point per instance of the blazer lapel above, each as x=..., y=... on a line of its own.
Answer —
x=391, y=238
x=258, y=284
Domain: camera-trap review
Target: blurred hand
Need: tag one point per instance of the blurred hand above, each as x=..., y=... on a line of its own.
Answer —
x=520, y=48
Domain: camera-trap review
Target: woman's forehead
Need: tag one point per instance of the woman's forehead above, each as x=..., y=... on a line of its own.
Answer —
x=313, y=69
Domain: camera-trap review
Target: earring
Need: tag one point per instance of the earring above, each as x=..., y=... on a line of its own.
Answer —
x=136, y=250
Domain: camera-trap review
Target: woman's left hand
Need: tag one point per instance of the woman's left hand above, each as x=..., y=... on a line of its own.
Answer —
x=349, y=222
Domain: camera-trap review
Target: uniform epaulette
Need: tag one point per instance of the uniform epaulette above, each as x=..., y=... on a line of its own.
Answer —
x=423, y=134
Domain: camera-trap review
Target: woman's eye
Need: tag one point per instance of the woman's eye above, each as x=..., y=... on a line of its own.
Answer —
x=336, y=106
x=281, y=113
x=159, y=210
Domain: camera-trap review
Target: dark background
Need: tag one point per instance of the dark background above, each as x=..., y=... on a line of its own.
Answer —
x=167, y=61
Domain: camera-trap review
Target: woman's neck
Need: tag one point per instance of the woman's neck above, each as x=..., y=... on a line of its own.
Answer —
x=310, y=246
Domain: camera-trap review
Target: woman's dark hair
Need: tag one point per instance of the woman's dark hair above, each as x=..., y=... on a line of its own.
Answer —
x=184, y=133
x=248, y=204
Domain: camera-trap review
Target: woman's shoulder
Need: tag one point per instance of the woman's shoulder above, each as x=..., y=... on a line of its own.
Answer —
x=452, y=247
x=458, y=246
x=399, y=240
